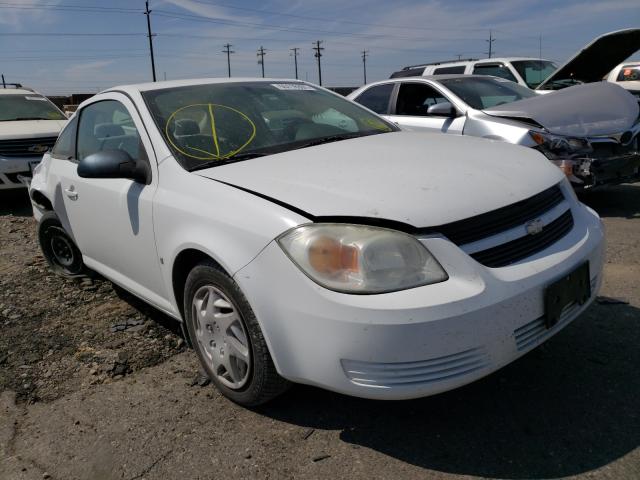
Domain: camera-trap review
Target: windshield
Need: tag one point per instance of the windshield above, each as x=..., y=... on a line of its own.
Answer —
x=533, y=72
x=213, y=124
x=28, y=107
x=485, y=92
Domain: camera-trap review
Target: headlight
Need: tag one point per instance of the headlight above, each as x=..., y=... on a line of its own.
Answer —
x=361, y=259
x=557, y=146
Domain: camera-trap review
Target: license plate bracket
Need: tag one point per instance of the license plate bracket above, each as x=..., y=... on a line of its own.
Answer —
x=574, y=287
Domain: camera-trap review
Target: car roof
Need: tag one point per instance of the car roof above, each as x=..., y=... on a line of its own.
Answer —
x=150, y=86
x=435, y=78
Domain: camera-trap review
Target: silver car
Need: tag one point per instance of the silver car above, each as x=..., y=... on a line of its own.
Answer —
x=590, y=131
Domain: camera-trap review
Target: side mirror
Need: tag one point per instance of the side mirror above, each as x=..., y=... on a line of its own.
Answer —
x=113, y=164
x=444, y=109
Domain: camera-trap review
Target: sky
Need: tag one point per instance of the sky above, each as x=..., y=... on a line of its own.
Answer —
x=61, y=47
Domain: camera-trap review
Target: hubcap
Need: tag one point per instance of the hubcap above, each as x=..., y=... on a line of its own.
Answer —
x=222, y=336
x=62, y=250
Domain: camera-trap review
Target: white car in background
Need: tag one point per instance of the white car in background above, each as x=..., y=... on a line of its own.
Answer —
x=591, y=132
x=29, y=126
x=298, y=237
x=590, y=64
x=627, y=75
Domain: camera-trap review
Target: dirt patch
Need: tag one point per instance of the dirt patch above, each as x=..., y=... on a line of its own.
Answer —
x=58, y=334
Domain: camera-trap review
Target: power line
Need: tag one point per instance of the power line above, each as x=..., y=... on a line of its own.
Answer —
x=332, y=20
x=147, y=12
x=78, y=8
x=235, y=23
x=318, y=54
x=365, y=54
x=228, y=51
x=68, y=34
x=261, y=53
x=295, y=59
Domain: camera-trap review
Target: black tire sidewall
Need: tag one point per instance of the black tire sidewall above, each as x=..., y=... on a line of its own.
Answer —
x=49, y=221
x=251, y=393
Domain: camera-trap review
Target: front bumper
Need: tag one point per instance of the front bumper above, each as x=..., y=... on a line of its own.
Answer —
x=13, y=171
x=421, y=341
x=609, y=171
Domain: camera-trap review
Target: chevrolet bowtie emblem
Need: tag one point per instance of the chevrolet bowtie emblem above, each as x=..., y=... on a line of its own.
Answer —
x=534, y=226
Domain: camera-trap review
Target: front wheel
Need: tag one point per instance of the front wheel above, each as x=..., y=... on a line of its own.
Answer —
x=227, y=338
x=58, y=247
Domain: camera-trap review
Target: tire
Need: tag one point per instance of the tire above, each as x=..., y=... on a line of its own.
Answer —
x=227, y=338
x=58, y=248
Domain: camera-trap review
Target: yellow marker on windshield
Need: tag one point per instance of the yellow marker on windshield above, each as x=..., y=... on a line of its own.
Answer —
x=197, y=110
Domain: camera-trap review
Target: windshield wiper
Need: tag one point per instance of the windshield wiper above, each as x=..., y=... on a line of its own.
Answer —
x=333, y=138
x=238, y=157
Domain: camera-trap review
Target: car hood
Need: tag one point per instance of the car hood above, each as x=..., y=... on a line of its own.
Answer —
x=596, y=59
x=31, y=129
x=593, y=109
x=419, y=179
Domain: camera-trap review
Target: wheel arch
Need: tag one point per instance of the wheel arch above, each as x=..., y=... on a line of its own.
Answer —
x=183, y=263
x=41, y=200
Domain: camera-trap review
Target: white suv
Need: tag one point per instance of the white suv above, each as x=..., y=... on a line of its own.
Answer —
x=29, y=126
x=299, y=237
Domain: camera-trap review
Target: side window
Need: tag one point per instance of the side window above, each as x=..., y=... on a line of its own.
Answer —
x=65, y=145
x=107, y=125
x=377, y=98
x=416, y=98
x=449, y=70
x=495, y=69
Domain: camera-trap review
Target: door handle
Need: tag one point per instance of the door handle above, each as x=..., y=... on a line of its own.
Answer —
x=71, y=193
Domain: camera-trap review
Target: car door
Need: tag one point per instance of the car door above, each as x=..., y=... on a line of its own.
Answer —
x=410, y=111
x=111, y=218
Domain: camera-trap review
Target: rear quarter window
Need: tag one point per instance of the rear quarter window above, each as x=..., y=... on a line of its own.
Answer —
x=376, y=98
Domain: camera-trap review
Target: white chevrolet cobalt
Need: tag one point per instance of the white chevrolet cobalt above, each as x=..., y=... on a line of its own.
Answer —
x=298, y=237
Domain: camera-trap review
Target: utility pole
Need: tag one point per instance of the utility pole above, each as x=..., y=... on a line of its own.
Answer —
x=459, y=56
x=318, y=49
x=365, y=54
x=540, y=47
x=147, y=12
x=491, y=40
x=295, y=59
x=261, y=53
x=4, y=85
x=228, y=51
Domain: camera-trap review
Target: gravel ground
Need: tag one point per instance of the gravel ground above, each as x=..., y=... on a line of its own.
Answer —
x=95, y=385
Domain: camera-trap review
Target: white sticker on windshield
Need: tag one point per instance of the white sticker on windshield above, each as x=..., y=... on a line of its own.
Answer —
x=41, y=99
x=292, y=86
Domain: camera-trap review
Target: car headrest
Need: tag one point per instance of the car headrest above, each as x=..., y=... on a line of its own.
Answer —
x=103, y=130
x=186, y=126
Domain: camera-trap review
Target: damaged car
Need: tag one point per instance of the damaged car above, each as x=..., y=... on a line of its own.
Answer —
x=299, y=238
x=589, y=131
x=590, y=64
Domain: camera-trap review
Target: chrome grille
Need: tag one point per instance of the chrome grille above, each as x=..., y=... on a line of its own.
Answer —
x=24, y=147
x=487, y=224
x=524, y=247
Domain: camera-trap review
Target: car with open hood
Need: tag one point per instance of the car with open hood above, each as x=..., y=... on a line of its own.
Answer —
x=298, y=237
x=591, y=64
x=29, y=126
x=590, y=131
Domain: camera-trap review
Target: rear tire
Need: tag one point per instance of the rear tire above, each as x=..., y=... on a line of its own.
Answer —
x=227, y=338
x=58, y=248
